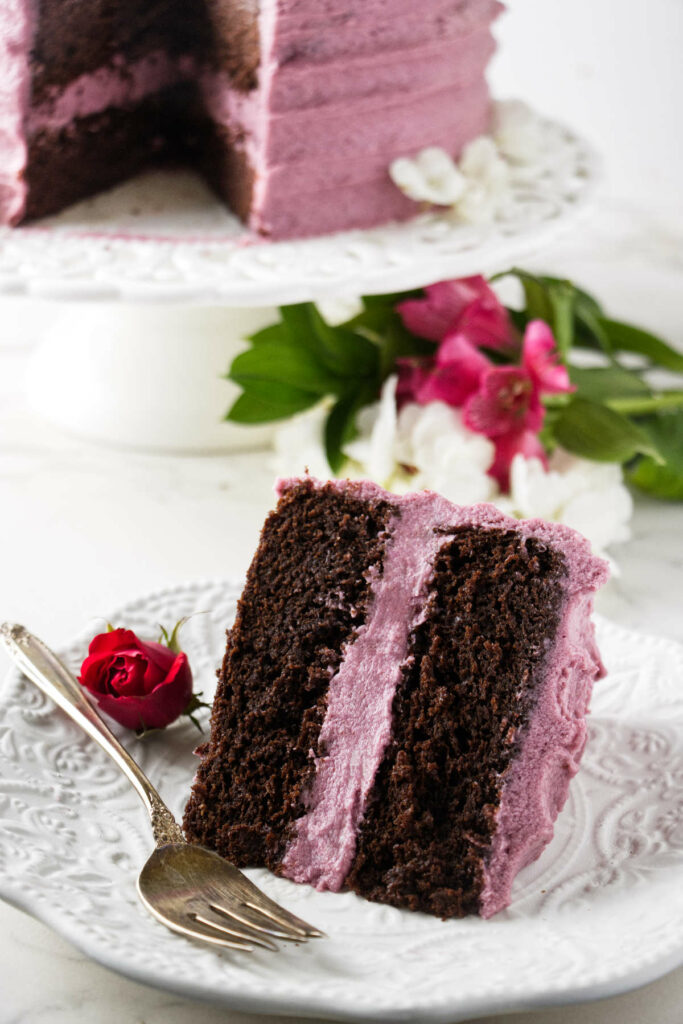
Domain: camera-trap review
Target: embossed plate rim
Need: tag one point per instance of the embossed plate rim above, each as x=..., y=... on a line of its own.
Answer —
x=241, y=985
x=190, y=250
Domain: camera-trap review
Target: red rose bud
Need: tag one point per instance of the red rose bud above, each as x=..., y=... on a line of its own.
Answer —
x=142, y=685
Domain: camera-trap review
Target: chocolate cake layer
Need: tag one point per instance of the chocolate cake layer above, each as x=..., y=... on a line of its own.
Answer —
x=97, y=152
x=67, y=46
x=403, y=698
x=234, y=46
x=221, y=156
x=306, y=596
x=459, y=713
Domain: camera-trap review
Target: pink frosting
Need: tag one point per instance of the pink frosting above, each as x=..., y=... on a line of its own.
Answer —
x=16, y=32
x=337, y=106
x=537, y=784
x=313, y=34
x=344, y=88
x=121, y=83
x=344, y=187
x=357, y=726
x=454, y=63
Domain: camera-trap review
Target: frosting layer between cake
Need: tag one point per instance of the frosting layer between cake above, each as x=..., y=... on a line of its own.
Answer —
x=401, y=704
x=305, y=598
x=119, y=84
x=359, y=722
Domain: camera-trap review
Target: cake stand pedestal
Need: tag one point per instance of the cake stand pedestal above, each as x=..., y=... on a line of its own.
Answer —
x=144, y=376
x=159, y=285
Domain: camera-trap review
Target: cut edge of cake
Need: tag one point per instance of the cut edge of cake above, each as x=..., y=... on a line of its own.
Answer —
x=293, y=117
x=362, y=808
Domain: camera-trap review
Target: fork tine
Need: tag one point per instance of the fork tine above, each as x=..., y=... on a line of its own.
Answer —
x=237, y=933
x=283, y=917
x=230, y=888
x=234, y=884
x=257, y=921
x=192, y=929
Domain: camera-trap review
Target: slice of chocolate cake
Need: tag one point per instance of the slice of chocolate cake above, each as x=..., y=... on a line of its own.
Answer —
x=402, y=702
x=292, y=109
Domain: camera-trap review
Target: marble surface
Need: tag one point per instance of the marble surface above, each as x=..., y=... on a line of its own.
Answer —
x=84, y=528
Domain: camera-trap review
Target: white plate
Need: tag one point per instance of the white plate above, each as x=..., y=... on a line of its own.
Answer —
x=164, y=236
x=599, y=913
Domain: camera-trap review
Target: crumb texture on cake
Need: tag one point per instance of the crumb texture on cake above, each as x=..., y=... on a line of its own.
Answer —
x=358, y=719
x=411, y=732
x=465, y=695
x=305, y=599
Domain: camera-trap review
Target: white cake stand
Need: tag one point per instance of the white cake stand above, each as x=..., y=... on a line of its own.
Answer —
x=152, y=378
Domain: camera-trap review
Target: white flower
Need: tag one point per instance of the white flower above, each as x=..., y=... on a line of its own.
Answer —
x=431, y=177
x=448, y=457
x=517, y=131
x=476, y=189
x=588, y=496
x=423, y=447
x=298, y=444
x=337, y=309
x=373, y=449
x=488, y=182
x=428, y=447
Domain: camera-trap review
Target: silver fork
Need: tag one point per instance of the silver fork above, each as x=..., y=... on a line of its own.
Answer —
x=188, y=888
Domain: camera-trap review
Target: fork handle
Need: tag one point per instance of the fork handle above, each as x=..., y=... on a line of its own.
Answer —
x=39, y=664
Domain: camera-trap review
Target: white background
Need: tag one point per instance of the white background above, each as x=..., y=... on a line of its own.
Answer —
x=83, y=529
x=614, y=68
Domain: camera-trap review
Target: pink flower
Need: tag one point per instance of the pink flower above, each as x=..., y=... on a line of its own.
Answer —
x=506, y=402
x=451, y=377
x=539, y=358
x=507, y=405
x=468, y=306
x=501, y=402
x=523, y=442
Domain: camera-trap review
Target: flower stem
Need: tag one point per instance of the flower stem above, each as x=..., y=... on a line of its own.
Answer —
x=639, y=405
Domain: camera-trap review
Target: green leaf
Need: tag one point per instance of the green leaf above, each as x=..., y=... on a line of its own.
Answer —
x=583, y=300
x=555, y=301
x=283, y=363
x=273, y=333
x=343, y=352
x=380, y=322
x=626, y=338
x=595, y=432
x=172, y=641
x=662, y=481
x=379, y=309
x=268, y=402
x=536, y=298
x=194, y=704
x=562, y=301
x=297, y=320
x=572, y=312
x=340, y=429
x=592, y=334
x=602, y=382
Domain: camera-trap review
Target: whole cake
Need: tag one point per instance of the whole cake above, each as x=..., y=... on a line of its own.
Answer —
x=402, y=702
x=292, y=109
